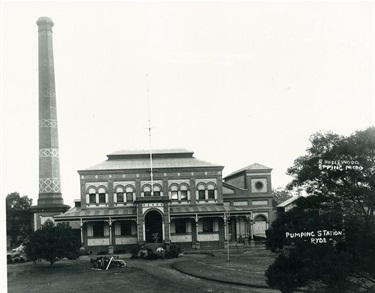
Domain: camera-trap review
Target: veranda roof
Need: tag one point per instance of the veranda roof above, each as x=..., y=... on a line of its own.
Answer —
x=76, y=213
x=128, y=212
x=207, y=209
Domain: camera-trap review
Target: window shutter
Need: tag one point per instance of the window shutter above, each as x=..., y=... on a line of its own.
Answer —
x=173, y=227
x=200, y=226
x=216, y=225
x=134, y=228
x=117, y=228
x=188, y=226
x=106, y=229
x=90, y=232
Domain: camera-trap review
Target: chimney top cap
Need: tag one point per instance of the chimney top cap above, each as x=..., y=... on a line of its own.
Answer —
x=44, y=20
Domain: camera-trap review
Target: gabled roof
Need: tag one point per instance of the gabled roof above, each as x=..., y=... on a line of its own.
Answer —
x=287, y=202
x=232, y=187
x=251, y=168
x=133, y=159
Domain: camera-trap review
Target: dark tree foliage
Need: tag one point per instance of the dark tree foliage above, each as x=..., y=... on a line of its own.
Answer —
x=341, y=199
x=53, y=242
x=19, y=218
x=353, y=189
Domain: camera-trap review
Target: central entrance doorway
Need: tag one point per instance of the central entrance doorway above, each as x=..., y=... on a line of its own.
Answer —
x=153, y=225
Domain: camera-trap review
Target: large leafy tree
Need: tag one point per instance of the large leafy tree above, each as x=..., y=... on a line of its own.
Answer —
x=19, y=217
x=53, y=242
x=338, y=173
x=325, y=170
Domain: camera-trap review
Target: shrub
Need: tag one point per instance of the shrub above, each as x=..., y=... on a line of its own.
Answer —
x=160, y=252
x=135, y=250
x=173, y=251
x=143, y=252
x=52, y=243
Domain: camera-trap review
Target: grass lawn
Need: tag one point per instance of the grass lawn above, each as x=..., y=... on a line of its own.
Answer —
x=143, y=276
x=245, y=267
x=78, y=276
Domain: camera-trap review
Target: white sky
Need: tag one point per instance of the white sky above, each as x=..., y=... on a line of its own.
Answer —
x=236, y=82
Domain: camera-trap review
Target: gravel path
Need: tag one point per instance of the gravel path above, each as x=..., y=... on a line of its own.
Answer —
x=163, y=270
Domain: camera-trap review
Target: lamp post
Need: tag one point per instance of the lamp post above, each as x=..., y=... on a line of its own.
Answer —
x=226, y=219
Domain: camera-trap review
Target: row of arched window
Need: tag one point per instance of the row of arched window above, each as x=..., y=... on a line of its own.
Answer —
x=127, y=194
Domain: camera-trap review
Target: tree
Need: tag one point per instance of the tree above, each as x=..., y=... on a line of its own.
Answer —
x=338, y=173
x=280, y=195
x=340, y=168
x=53, y=242
x=19, y=218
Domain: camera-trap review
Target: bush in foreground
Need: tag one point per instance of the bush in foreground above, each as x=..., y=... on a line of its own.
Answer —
x=144, y=252
x=52, y=243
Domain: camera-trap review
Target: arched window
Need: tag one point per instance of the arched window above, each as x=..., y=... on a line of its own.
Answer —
x=260, y=218
x=92, y=195
x=184, y=192
x=129, y=194
x=201, y=192
x=174, y=192
x=157, y=190
x=102, y=193
x=211, y=191
x=147, y=190
x=120, y=194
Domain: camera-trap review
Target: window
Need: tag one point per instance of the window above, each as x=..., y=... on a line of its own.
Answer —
x=157, y=190
x=120, y=194
x=211, y=191
x=102, y=193
x=202, y=194
x=147, y=191
x=180, y=226
x=174, y=195
x=120, y=197
x=101, y=197
x=126, y=228
x=92, y=198
x=129, y=196
x=98, y=229
x=208, y=225
x=174, y=191
x=183, y=194
x=259, y=185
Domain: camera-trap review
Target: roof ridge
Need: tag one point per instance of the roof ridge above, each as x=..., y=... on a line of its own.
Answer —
x=253, y=166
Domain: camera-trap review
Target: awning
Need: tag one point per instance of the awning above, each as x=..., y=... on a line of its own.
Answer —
x=77, y=213
x=209, y=209
x=130, y=212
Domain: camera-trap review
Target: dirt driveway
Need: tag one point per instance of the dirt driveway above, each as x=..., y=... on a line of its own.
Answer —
x=137, y=276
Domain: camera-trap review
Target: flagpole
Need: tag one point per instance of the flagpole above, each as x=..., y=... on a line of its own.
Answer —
x=149, y=136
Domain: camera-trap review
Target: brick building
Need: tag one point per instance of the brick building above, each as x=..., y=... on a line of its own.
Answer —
x=183, y=200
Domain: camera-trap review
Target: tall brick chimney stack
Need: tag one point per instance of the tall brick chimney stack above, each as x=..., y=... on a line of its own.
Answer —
x=50, y=201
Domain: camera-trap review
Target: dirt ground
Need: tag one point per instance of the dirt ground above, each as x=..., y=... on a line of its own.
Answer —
x=140, y=275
